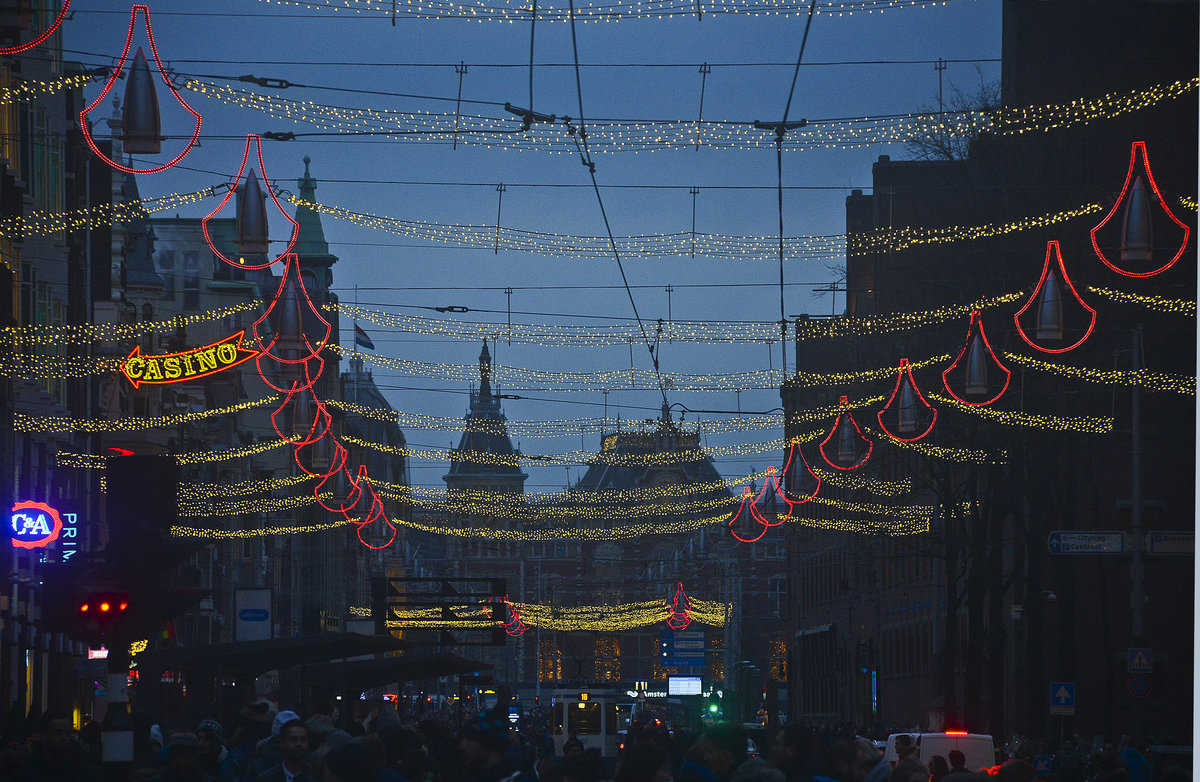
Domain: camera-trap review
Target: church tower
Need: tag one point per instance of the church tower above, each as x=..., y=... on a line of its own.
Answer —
x=485, y=459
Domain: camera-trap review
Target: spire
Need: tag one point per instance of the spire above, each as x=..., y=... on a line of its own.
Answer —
x=311, y=241
x=485, y=372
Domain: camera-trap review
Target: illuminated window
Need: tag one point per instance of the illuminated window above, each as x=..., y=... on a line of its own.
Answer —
x=608, y=659
x=779, y=659
x=549, y=662
x=716, y=659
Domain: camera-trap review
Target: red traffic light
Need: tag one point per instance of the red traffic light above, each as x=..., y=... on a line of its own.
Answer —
x=105, y=606
x=84, y=608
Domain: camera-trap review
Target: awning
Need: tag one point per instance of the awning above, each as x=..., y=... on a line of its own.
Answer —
x=255, y=657
x=364, y=674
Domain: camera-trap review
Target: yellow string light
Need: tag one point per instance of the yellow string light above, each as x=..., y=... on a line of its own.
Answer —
x=95, y=461
x=102, y=215
x=853, y=480
x=810, y=379
x=31, y=88
x=1148, y=379
x=241, y=534
x=1054, y=423
x=112, y=332
x=36, y=423
x=1189, y=203
x=137, y=647
x=1156, y=303
x=616, y=136
x=198, y=492
x=240, y=507
x=906, y=237
x=832, y=328
x=947, y=454
x=608, y=12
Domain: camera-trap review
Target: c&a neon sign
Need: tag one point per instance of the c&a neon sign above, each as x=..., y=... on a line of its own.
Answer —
x=34, y=525
x=187, y=365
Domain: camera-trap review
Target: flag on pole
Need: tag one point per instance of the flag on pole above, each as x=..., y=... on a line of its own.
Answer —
x=361, y=338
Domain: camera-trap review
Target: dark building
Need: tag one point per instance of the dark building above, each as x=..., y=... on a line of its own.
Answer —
x=968, y=623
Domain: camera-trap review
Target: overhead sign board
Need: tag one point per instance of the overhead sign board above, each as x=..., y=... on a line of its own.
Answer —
x=1181, y=543
x=684, y=685
x=681, y=648
x=252, y=615
x=1086, y=542
x=187, y=365
x=1062, y=699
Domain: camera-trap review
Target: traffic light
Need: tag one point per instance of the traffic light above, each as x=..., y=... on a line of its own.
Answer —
x=103, y=614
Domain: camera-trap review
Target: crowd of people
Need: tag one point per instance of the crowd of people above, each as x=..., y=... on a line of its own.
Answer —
x=374, y=744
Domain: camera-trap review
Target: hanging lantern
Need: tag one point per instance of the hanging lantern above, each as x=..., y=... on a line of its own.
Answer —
x=140, y=115
x=252, y=224
x=1053, y=307
x=680, y=616
x=302, y=418
x=1137, y=232
x=793, y=477
x=141, y=127
x=742, y=513
x=289, y=344
x=910, y=408
x=850, y=441
x=1141, y=205
x=977, y=368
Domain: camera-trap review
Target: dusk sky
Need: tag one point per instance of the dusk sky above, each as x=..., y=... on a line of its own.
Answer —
x=855, y=66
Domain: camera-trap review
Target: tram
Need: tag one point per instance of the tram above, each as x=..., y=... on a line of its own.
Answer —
x=598, y=718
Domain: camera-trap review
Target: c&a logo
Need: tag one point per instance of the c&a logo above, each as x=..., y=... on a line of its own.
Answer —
x=34, y=525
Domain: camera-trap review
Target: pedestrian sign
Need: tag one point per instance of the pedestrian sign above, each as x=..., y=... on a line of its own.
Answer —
x=1062, y=699
x=1139, y=660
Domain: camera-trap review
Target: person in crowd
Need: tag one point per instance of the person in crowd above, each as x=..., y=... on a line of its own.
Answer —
x=293, y=747
x=938, y=768
x=792, y=752
x=958, y=768
x=572, y=747
x=57, y=757
x=483, y=745
x=215, y=759
x=644, y=762
x=724, y=750
x=905, y=747
x=840, y=763
x=183, y=760
x=870, y=766
x=1017, y=770
x=909, y=769
x=585, y=767
x=348, y=762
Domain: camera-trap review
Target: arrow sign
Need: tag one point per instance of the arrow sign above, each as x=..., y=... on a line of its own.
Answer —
x=1086, y=542
x=1062, y=698
x=186, y=365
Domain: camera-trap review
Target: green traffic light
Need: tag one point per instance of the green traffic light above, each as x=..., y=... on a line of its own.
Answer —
x=712, y=707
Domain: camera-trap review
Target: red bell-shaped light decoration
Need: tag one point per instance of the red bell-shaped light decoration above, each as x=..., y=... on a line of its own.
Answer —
x=794, y=477
x=971, y=371
x=299, y=335
x=853, y=448
x=140, y=114
x=302, y=418
x=1052, y=309
x=1141, y=207
x=907, y=416
x=252, y=223
x=771, y=495
x=338, y=492
x=681, y=606
x=745, y=513
x=17, y=14
x=513, y=625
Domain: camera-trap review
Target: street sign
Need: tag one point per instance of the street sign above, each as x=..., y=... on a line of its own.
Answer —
x=1086, y=542
x=1139, y=685
x=1062, y=699
x=1139, y=660
x=1041, y=765
x=1179, y=543
x=681, y=648
x=252, y=615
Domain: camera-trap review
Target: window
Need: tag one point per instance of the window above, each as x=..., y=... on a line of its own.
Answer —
x=777, y=596
x=549, y=661
x=191, y=281
x=779, y=659
x=608, y=659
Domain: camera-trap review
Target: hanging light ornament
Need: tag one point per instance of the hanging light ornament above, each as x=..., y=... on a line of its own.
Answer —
x=681, y=607
x=338, y=492
x=141, y=133
x=910, y=411
x=302, y=418
x=18, y=17
x=792, y=477
x=850, y=441
x=1048, y=296
x=289, y=344
x=980, y=358
x=252, y=236
x=514, y=627
x=743, y=512
x=1137, y=224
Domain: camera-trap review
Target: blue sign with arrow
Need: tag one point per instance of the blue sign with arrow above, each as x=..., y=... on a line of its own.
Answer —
x=1062, y=698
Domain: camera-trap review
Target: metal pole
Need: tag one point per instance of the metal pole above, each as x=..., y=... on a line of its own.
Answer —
x=1135, y=568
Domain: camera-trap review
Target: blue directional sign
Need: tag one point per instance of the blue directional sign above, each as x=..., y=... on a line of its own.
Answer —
x=681, y=648
x=1041, y=765
x=1062, y=698
x=1086, y=542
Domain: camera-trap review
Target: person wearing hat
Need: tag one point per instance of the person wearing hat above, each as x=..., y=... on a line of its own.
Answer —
x=483, y=747
x=215, y=759
x=293, y=742
x=183, y=760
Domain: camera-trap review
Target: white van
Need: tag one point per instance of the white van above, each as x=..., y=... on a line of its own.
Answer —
x=976, y=747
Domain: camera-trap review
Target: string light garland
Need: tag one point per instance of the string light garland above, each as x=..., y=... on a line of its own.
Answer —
x=810, y=379
x=834, y=328
x=1148, y=379
x=965, y=455
x=907, y=237
x=181, y=531
x=859, y=482
x=608, y=12
x=112, y=332
x=198, y=492
x=61, y=424
x=1156, y=303
x=1091, y=425
x=31, y=88
x=1189, y=203
x=97, y=461
x=240, y=507
x=617, y=136
x=37, y=223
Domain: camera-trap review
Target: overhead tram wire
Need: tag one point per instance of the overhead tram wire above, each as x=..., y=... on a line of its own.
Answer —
x=586, y=160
